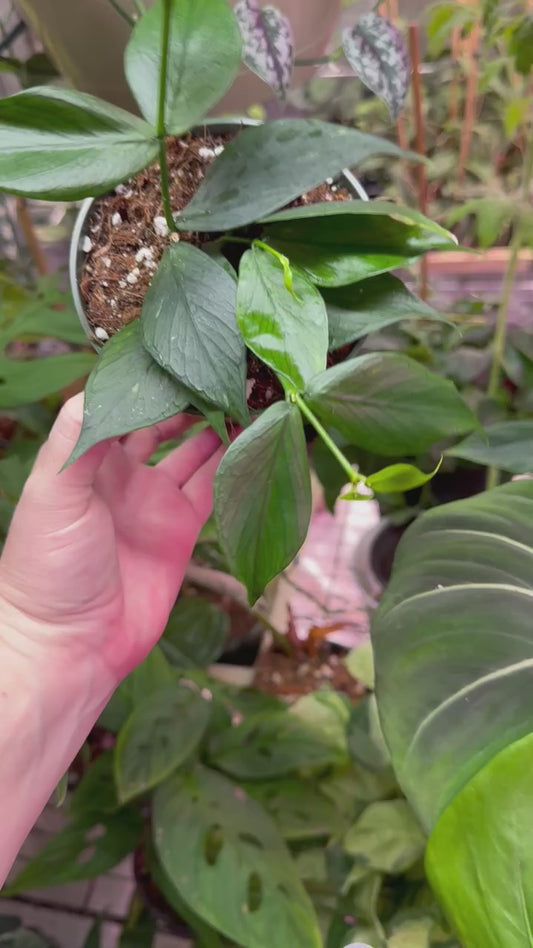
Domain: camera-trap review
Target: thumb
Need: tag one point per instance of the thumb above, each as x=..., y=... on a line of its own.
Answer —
x=48, y=468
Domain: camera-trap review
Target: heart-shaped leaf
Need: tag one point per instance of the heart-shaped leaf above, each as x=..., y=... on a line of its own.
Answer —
x=226, y=858
x=160, y=734
x=196, y=633
x=126, y=390
x=389, y=404
x=263, y=497
x=507, y=445
x=377, y=53
x=267, y=166
x=361, y=308
x=341, y=242
x=204, y=55
x=287, y=327
x=268, y=43
x=189, y=327
x=61, y=145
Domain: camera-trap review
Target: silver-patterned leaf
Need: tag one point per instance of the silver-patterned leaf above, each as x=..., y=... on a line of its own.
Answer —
x=377, y=54
x=268, y=43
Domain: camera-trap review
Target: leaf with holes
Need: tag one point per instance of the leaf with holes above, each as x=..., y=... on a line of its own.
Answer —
x=189, y=328
x=263, y=497
x=61, y=145
x=196, y=633
x=81, y=852
x=225, y=856
x=377, y=53
x=160, y=734
x=268, y=43
x=204, y=55
x=389, y=404
x=287, y=329
x=126, y=390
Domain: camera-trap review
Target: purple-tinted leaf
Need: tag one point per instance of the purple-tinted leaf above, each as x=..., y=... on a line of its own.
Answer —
x=268, y=43
x=377, y=54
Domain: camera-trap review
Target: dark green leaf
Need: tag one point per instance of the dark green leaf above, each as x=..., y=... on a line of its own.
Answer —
x=268, y=43
x=153, y=674
x=370, y=305
x=196, y=633
x=507, y=445
x=299, y=808
x=15, y=467
x=126, y=390
x=204, y=55
x=521, y=45
x=386, y=837
x=81, y=852
x=263, y=497
x=365, y=739
x=227, y=860
x=96, y=793
x=161, y=733
x=452, y=643
x=61, y=145
x=342, y=242
x=24, y=382
x=399, y=477
x=189, y=328
x=141, y=933
x=206, y=936
x=267, y=166
x=287, y=329
x=376, y=51
x=389, y=404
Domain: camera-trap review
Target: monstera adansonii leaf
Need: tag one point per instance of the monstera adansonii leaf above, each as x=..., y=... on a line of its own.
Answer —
x=453, y=642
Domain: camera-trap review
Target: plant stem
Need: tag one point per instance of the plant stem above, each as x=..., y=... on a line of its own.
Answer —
x=139, y=6
x=320, y=60
x=353, y=476
x=500, y=333
x=125, y=16
x=161, y=126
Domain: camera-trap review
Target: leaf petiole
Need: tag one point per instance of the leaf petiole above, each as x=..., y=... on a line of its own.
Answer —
x=161, y=125
x=285, y=263
x=353, y=476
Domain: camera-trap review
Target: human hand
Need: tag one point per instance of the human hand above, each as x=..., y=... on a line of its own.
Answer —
x=96, y=553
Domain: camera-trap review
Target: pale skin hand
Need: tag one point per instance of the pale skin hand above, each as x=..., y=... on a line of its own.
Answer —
x=92, y=566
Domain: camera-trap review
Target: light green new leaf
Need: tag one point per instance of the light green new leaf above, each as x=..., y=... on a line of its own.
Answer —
x=507, y=445
x=126, y=390
x=342, y=242
x=161, y=733
x=399, y=477
x=415, y=933
x=204, y=56
x=189, y=327
x=268, y=166
x=386, y=837
x=61, y=145
x=287, y=330
x=227, y=860
x=389, y=404
x=452, y=643
x=263, y=497
x=359, y=309
x=196, y=633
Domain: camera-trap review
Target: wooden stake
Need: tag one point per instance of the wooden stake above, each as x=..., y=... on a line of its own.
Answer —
x=470, y=101
x=414, y=47
x=28, y=231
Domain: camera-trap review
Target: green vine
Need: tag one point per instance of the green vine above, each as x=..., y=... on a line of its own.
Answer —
x=161, y=124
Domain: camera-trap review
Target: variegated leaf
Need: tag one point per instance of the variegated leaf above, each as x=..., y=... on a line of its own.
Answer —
x=268, y=43
x=377, y=54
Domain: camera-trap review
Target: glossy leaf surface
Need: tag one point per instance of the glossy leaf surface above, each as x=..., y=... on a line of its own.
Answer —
x=377, y=53
x=189, y=328
x=267, y=166
x=398, y=477
x=126, y=390
x=263, y=497
x=204, y=55
x=462, y=586
x=287, y=329
x=389, y=404
x=268, y=43
x=507, y=445
x=225, y=856
x=61, y=145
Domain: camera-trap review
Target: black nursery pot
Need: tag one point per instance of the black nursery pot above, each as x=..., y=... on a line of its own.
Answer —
x=77, y=257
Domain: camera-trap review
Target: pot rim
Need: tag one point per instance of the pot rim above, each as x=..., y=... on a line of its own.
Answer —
x=77, y=257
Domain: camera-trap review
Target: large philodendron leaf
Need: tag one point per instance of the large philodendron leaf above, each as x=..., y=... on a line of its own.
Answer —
x=453, y=643
x=204, y=55
x=388, y=404
x=480, y=855
x=377, y=53
x=61, y=145
x=268, y=43
x=267, y=166
x=126, y=390
x=227, y=860
x=287, y=327
x=189, y=327
x=341, y=242
x=263, y=497
x=361, y=308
